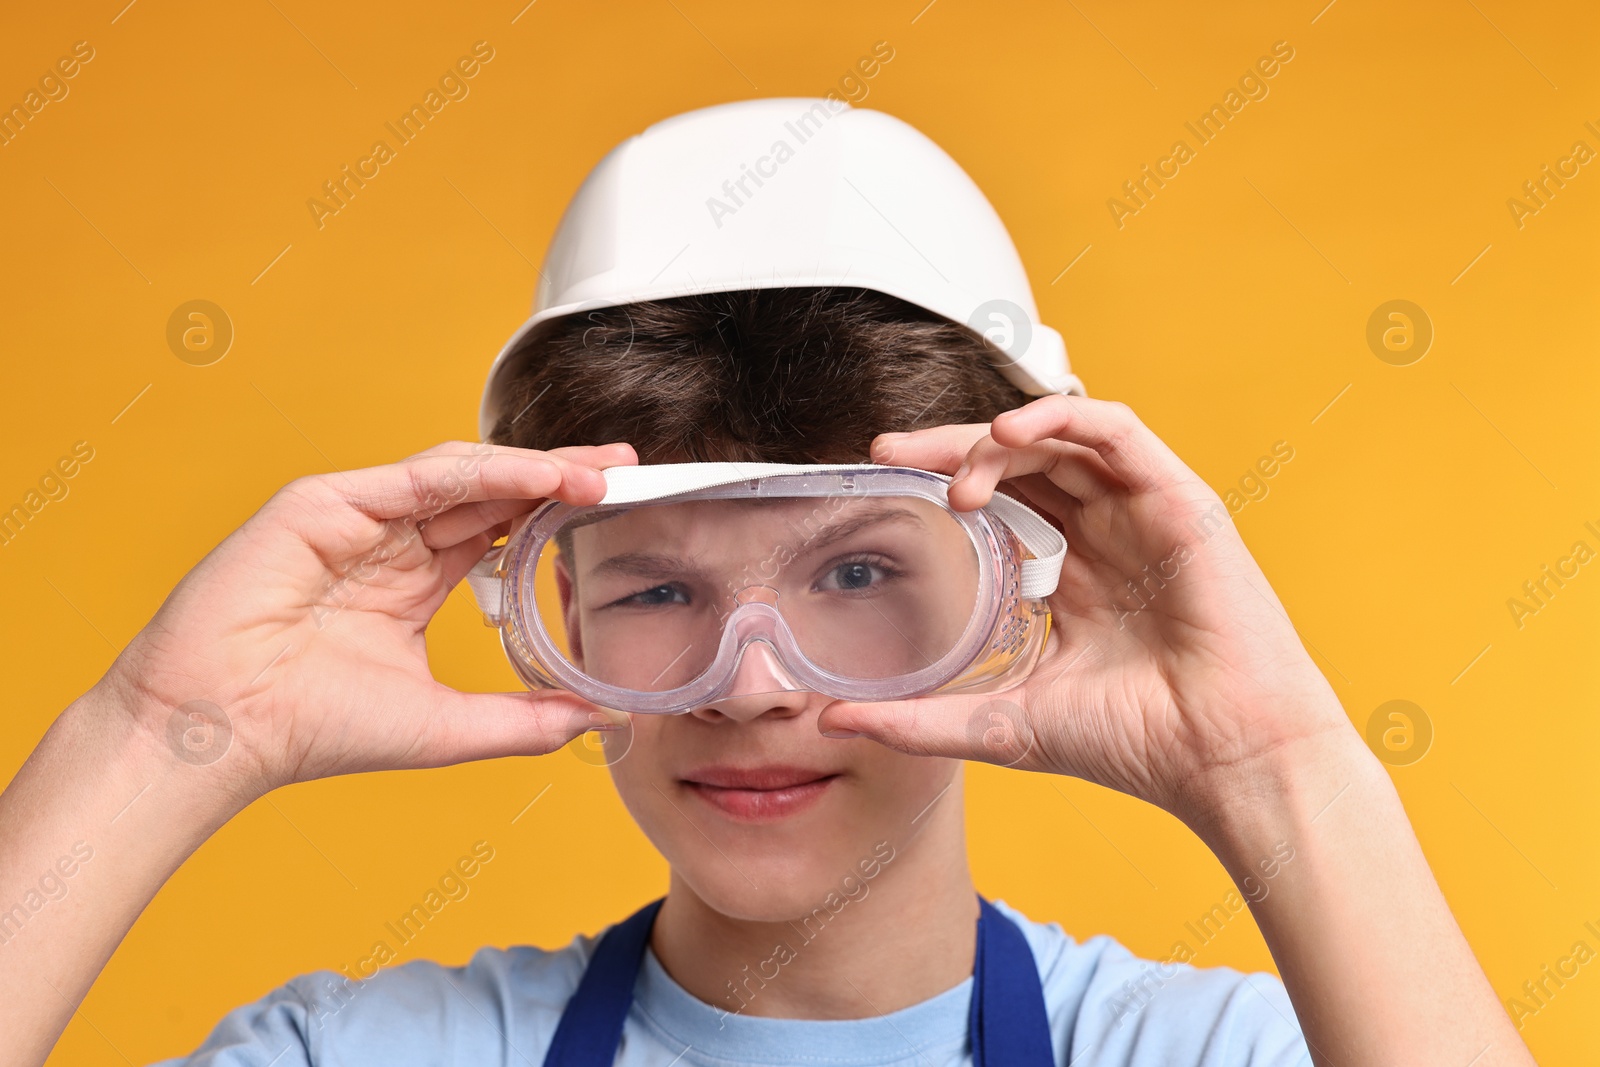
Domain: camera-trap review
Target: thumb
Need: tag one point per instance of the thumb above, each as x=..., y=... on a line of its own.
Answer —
x=977, y=726
x=473, y=726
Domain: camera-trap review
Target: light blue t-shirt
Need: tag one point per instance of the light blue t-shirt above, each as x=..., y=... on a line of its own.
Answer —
x=1106, y=1007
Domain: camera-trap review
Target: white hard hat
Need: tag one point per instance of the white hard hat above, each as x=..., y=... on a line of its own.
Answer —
x=791, y=192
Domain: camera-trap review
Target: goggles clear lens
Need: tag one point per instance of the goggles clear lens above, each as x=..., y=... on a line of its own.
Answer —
x=863, y=585
x=869, y=588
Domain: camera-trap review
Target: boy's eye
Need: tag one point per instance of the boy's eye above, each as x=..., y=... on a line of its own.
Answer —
x=855, y=576
x=656, y=596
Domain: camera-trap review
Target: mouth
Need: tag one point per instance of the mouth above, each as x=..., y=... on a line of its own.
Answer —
x=759, y=794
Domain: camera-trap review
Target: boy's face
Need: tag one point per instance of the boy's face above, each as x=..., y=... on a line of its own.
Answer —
x=757, y=812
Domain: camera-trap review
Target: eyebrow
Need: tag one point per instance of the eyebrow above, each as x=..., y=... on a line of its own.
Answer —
x=642, y=565
x=655, y=565
x=827, y=535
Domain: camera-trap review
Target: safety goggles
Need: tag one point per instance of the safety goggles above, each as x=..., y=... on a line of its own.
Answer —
x=691, y=583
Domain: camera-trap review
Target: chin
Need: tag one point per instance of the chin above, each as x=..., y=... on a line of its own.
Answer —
x=805, y=886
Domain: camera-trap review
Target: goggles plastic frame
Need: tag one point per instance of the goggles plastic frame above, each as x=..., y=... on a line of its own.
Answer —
x=996, y=650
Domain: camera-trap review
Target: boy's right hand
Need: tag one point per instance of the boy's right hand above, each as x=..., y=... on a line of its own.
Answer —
x=306, y=625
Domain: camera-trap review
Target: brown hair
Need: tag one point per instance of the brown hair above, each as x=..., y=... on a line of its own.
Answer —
x=759, y=375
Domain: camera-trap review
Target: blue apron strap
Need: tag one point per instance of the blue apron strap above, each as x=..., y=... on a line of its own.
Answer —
x=1008, y=1024
x=591, y=1026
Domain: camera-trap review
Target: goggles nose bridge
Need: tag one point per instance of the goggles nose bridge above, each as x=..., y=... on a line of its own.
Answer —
x=756, y=593
x=756, y=619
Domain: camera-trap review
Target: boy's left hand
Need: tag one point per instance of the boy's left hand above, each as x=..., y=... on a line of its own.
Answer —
x=1177, y=695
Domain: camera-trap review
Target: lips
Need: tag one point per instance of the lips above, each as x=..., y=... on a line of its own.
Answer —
x=756, y=794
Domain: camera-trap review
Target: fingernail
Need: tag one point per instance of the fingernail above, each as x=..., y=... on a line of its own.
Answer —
x=841, y=735
x=961, y=471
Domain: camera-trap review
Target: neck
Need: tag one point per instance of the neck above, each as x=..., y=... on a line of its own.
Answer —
x=909, y=936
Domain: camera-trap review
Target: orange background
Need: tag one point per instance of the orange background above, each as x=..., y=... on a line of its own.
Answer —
x=1230, y=312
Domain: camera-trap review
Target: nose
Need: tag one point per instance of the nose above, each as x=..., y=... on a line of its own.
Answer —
x=760, y=687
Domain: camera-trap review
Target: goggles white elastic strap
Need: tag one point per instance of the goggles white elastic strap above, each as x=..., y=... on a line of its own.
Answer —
x=485, y=586
x=636, y=484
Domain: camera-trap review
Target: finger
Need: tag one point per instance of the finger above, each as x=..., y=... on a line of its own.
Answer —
x=427, y=487
x=473, y=726
x=934, y=448
x=946, y=449
x=1074, y=470
x=469, y=520
x=1130, y=450
x=500, y=530
x=453, y=448
x=987, y=727
x=456, y=560
x=616, y=453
